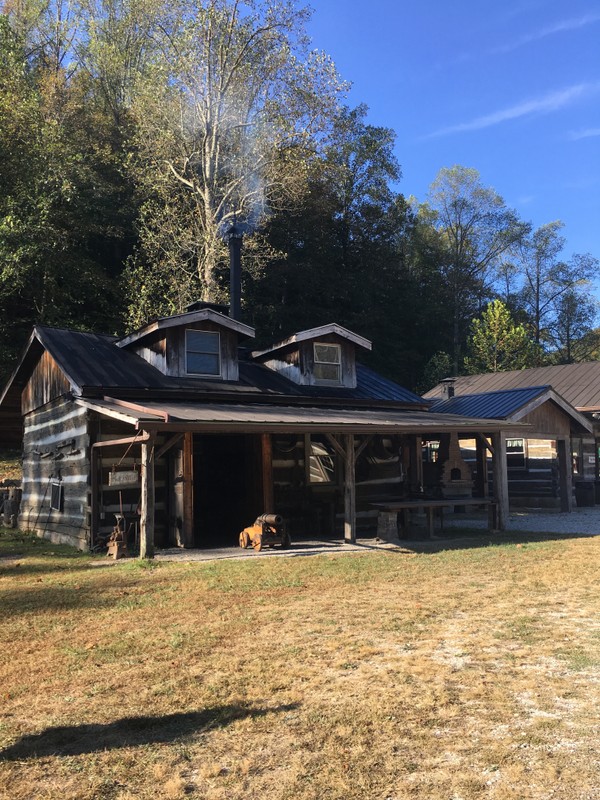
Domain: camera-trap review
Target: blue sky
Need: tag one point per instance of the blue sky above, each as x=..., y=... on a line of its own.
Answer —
x=512, y=89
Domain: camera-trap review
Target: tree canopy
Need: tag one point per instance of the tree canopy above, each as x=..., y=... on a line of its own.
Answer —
x=133, y=133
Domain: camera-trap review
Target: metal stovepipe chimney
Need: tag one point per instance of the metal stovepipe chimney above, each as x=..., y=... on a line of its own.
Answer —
x=234, y=240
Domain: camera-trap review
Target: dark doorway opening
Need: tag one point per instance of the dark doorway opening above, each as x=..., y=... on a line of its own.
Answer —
x=227, y=487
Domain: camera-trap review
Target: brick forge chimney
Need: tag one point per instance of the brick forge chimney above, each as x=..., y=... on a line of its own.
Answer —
x=448, y=386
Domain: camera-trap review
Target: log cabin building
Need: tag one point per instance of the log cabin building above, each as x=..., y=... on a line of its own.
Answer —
x=186, y=432
x=559, y=452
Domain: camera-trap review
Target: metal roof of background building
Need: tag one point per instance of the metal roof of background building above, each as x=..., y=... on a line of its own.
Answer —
x=578, y=384
x=489, y=405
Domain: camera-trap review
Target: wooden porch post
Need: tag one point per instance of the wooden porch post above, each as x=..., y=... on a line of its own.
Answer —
x=94, y=496
x=187, y=532
x=147, y=491
x=482, y=470
x=267, y=473
x=500, y=478
x=416, y=462
x=349, y=490
x=565, y=474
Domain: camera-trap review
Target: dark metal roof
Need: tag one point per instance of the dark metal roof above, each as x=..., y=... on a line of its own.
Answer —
x=489, y=405
x=578, y=384
x=92, y=359
x=94, y=364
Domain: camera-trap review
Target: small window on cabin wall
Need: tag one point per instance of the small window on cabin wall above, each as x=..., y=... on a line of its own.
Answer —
x=56, y=496
x=202, y=353
x=328, y=363
x=515, y=453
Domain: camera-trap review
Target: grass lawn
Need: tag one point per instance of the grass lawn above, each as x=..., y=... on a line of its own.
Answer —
x=451, y=675
x=10, y=465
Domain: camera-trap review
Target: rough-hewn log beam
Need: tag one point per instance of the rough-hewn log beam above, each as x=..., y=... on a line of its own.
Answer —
x=565, y=474
x=500, y=478
x=349, y=490
x=267, y=473
x=147, y=501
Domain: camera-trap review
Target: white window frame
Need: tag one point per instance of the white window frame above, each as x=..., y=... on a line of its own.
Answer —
x=57, y=496
x=338, y=364
x=218, y=354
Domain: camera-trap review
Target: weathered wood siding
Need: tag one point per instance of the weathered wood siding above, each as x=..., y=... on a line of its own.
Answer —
x=166, y=350
x=47, y=382
x=56, y=448
x=548, y=420
x=348, y=366
x=297, y=362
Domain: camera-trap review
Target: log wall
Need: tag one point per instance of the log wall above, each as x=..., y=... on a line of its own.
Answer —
x=56, y=450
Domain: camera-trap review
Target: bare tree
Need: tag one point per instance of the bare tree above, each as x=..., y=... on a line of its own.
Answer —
x=235, y=104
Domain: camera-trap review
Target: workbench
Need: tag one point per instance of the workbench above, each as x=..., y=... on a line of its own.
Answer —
x=404, y=507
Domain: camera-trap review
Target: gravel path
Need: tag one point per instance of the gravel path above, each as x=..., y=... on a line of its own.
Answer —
x=584, y=521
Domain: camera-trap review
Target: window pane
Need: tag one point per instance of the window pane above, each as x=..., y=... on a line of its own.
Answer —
x=327, y=372
x=202, y=342
x=203, y=364
x=321, y=464
x=327, y=353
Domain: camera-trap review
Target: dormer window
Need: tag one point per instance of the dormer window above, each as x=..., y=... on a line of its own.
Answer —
x=202, y=353
x=328, y=363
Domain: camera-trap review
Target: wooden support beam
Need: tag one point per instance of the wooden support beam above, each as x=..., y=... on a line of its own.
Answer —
x=137, y=439
x=168, y=445
x=482, y=468
x=365, y=442
x=267, y=473
x=187, y=531
x=415, y=462
x=499, y=462
x=349, y=490
x=147, y=501
x=94, y=499
x=481, y=438
x=565, y=474
x=336, y=445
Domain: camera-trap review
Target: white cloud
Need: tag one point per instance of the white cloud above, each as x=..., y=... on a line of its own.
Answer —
x=538, y=105
x=558, y=27
x=586, y=133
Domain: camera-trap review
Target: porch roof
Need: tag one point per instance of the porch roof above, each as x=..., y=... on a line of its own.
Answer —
x=262, y=418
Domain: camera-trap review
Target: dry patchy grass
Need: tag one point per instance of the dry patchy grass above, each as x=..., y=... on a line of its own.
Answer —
x=454, y=675
x=10, y=465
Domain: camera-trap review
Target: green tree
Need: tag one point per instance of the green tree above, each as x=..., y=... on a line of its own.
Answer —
x=474, y=229
x=343, y=256
x=63, y=201
x=572, y=335
x=497, y=343
x=547, y=278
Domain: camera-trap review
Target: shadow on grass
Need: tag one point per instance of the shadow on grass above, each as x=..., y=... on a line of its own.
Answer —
x=75, y=740
x=471, y=538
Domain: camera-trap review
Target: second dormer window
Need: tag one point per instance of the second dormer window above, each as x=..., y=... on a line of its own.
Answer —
x=202, y=353
x=328, y=363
